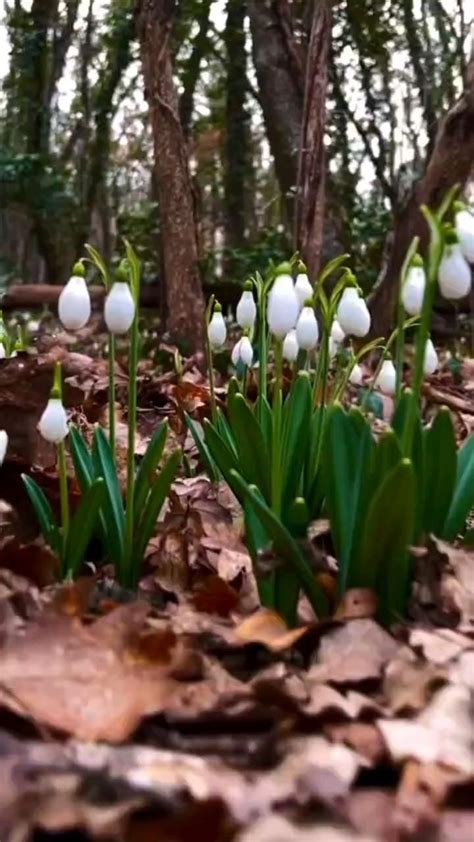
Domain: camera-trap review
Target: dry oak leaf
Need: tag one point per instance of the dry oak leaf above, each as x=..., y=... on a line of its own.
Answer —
x=269, y=628
x=89, y=681
x=354, y=653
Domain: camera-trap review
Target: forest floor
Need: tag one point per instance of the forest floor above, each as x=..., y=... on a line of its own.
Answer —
x=185, y=712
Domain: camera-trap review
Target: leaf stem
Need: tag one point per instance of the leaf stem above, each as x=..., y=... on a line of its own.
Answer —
x=64, y=500
x=111, y=367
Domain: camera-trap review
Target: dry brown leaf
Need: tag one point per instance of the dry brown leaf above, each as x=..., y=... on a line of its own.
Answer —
x=85, y=680
x=357, y=603
x=268, y=627
x=354, y=653
x=409, y=683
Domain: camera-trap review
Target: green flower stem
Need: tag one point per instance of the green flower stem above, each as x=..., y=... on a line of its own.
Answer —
x=111, y=367
x=64, y=499
x=130, y=572
x=262, y=347
x=212, y=383
x=400, y=348
x=276, y=432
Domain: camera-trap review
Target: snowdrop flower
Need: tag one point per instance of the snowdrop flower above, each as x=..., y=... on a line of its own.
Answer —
x=3, y=352
x=431, y=358
x=464, y=222
x=242, y=352
x=387, y=378
x=246, y=308
x=454, y=274
x=337, y=333
x=283, y=305
x=53, y=422
x=413, y=290
x=356, y=376
x=290, y=346
x=216, y=329
x=307, y=330
x=303, y=288
x=119, y=310
x=3, y=445
x=74, y=306
x=352, y=313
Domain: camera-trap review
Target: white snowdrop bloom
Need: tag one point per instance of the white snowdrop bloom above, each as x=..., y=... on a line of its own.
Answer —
x=242, y=352
x=119, y=310
x=413, y=290
x=353, y=314
x=333, y=347
x=431, y=358
x=3, y=352
x=337, y=333
x=74, y=305
x=53, y=422
x=303, y=288
x=283, y=306
x=3, y=445
x=290, y=346
x=464, y=222
x=246, y=310
x=454, y=274
x=307, y=330
x=216, y=330
x=356, y=376
x=387, y=378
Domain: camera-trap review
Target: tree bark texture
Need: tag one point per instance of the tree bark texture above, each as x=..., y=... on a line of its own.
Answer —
x=185, y=307
x=280, y=76
x=312, y=167
x=451, y=163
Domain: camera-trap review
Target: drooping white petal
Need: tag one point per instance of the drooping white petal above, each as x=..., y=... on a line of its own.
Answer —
x=464, y=222
x=3, y=445
x=283, y=306
x=353, y=314
x=290, y=346
x=307, y=331
x=246, y=350
x=431, y=358
x=246, y=310
x=303, y=288
x=74, y=305
x=387, y=378
x=414, y=290
x=356, y=376
x=119, y=310
x=3, y=352
x=53, y=422
x=337, y=333
x=217, y=331
x=454, y=274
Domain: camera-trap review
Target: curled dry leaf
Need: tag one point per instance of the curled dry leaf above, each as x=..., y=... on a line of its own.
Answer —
x=269, y=628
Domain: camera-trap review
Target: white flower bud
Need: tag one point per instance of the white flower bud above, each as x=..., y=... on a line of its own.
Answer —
x=431, y=358
x=74, y=305
x=387, y=378
x=333, y=348
x=246, y=310
x=464, y=222
x=454, y=274
x=307, y=330
x=242, y=352
x=356, y=376
x=3, y=445
x=3, y=352
x=413, y=290
x=303, y=288
x=337, y=333
x=283, y=306
x=119, y=310
x=353, y=314
x=216, y=330
x=290, y=346
x=53, y=422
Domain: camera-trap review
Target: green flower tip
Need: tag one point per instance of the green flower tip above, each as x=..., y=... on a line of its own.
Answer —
x=122, y=272
x=248, y=286
x=284, y=268
x=309, y=302
x=55, y=393
x=301, y=268
x=351, y=280
x=417, y=260
x=79, y=270
x=450, y=236
x=217, y=307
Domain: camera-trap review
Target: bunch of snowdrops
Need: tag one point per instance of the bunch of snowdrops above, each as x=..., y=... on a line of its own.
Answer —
x=292, y=458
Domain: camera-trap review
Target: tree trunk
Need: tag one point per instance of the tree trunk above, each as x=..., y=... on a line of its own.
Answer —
x=281, y=84
x=237, y=154
x=312, y=166
x=185, y=307
x=451, y=162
